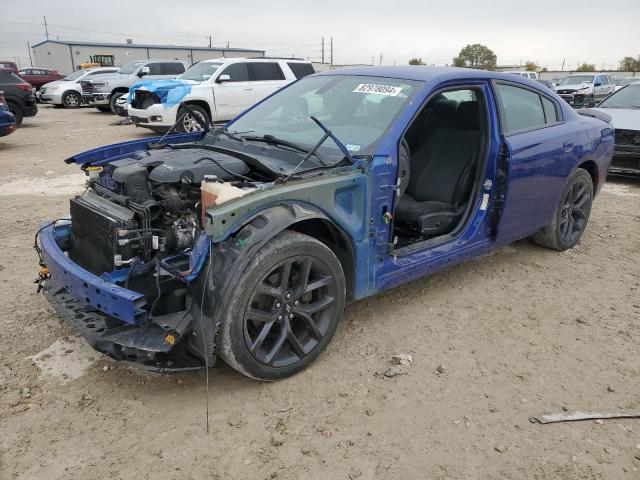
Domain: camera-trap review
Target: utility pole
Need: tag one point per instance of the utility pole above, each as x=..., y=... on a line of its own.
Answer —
x=322, y=49
x=29, y=50
x=46, y=28
x=209, y=37
x=331, y=46
x=380, y=62
x=562, y=68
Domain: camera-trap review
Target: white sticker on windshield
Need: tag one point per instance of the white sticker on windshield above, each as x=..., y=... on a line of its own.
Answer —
x=352, y=147
x=387, y=90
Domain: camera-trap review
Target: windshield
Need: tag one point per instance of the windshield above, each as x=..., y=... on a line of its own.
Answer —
x=576, y=79
x=627, y=97
x=200, y=71
x=129, y=68
x=74, y=75
x=358, y=110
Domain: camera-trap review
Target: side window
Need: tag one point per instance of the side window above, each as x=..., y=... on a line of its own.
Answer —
x=265, y=71
x=301, y=69
x=550, y=112
x=173, y=68
x=521, y=108
x=155, y=68
x=237, y=71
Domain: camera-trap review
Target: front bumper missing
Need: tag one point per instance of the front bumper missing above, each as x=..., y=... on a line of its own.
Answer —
x=111, y=318
x=578, y=100
x=626, y=160
x=96, y=99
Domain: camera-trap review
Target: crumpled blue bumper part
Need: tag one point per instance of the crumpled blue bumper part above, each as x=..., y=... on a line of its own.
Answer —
x=112, y=300
x=170, y=92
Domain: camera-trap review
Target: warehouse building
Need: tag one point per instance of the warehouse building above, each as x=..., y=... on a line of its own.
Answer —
x=67, y=56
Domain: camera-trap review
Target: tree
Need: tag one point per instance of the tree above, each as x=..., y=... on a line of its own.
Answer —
x=630, y=64
x=416, y=61
x=476, y=56
x=531, y=66
x=586, y=67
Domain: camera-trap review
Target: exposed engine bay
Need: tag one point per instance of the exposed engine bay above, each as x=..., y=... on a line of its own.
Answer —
x=142, y=215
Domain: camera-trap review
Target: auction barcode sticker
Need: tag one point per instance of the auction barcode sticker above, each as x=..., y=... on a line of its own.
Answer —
x=387, y=90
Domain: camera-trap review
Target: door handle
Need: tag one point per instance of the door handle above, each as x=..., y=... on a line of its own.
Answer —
x=568, y=145
x=248, y=89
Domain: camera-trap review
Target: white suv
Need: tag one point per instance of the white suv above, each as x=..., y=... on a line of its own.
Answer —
x=219, y=89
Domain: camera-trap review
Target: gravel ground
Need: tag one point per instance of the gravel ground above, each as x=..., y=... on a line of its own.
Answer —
x=496, y=340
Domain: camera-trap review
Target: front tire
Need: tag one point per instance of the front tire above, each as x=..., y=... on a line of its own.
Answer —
x=571, y=216
x=284, y=309
x=71, y=99
x=112, y=100
x=186, y=121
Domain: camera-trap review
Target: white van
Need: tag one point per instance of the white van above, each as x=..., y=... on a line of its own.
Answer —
x=221, y=89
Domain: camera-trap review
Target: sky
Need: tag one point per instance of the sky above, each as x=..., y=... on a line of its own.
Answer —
x=546, y=32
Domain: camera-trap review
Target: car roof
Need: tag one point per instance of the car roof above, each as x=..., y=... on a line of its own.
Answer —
x=252, y=59
x=429, y=74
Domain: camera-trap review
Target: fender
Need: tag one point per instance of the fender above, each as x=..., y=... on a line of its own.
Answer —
x=228, y=260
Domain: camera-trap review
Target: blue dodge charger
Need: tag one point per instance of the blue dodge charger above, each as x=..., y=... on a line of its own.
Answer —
x=246, y=242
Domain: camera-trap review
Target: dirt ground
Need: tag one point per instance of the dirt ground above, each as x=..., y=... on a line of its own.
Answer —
x=496, y=340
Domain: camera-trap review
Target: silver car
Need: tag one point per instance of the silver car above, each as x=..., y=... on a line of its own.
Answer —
x=585, y=89
x=67, y=92
x=103, y=91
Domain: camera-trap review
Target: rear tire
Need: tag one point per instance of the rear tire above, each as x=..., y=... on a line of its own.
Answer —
x=71, y=99
x=571, y=216
x=284, y=309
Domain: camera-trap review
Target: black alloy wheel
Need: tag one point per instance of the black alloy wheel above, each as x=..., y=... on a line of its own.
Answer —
x=576, y=207
x=290, y=311
x=572, y=214
x=284, y=308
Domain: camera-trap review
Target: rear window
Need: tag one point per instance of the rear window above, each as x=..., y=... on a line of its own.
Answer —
x=301, y=69
x=265, y=71
x=8, y=77
x=521, y=108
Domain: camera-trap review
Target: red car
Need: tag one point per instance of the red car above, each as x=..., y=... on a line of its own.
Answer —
x=10, y=66
x=39, y=76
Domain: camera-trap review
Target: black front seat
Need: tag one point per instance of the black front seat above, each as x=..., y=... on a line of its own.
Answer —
x=442, y=175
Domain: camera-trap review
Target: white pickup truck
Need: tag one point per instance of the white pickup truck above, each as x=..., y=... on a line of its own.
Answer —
x=220, y=89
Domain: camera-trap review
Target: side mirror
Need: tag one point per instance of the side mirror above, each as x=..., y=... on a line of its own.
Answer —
x=143, y=71
x=597, y=84
x=224, y=78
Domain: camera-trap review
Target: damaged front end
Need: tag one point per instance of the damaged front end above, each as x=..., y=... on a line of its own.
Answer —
x=626, y=153
x=125, y=270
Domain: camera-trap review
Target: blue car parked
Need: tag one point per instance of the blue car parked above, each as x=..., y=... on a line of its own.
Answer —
x=7, y=120
x=248, y=241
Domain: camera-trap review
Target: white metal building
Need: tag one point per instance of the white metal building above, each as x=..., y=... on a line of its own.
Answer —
x=65, y=56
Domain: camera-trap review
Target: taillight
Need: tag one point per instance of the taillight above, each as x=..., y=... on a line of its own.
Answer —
x=23, y=86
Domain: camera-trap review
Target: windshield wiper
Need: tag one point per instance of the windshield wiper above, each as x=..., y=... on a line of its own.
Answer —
x=273, y=140
x=327, y=134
